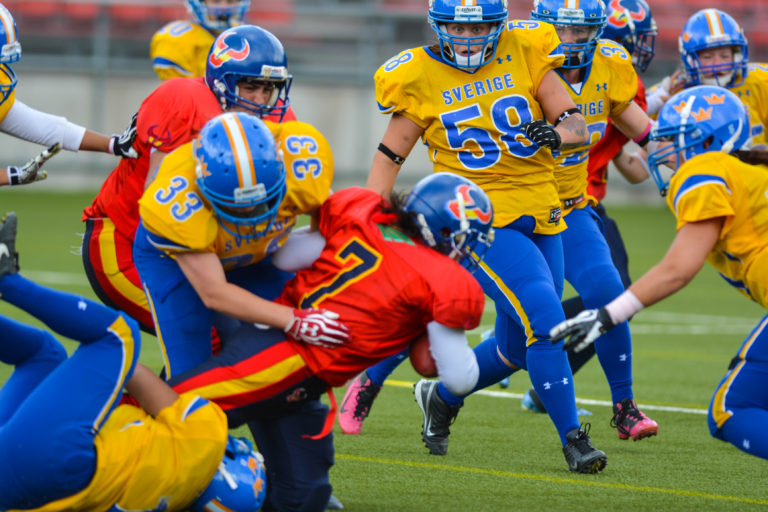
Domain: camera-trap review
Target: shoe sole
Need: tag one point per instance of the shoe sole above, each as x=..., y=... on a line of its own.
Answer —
x=642, y=434
x=593, y=467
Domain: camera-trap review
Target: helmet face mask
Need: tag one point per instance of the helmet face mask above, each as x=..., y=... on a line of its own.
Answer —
x=589, y=18
x=454, y=216
x=240, y=173
x=456, y=50
x=248, y=54
x=709, y=29
x=694, y=121
x=240, y=483
x=631, y=24
x=219, y=17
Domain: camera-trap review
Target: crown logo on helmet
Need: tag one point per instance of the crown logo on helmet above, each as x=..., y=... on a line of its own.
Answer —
x=715, y=99
x=702, y=114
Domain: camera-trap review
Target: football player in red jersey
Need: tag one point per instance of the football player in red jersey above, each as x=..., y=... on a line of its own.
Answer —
x=256, y=81
x=393, y=272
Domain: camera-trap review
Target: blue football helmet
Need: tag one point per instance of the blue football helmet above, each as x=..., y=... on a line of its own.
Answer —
x=9, y=52
x=698, y=120
x=589, y=14
x=240, y=173
x=248, y=53
x=631, y=24
x=442, y=12
x=216, y=18
x=453, y=215
x=712, y=28
x=240, y=484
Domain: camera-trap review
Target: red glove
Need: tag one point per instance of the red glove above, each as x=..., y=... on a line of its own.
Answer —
x=317, y=327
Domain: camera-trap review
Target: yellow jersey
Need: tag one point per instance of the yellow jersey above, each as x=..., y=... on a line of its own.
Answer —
x=754, y=94
x=472, y=121
x=10, y=100
x=152, y=464
x=180, y=49
x=714, y=185
x=309, y=173
x=609, y=86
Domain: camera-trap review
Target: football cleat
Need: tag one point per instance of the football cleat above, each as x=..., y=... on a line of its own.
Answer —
x=581, y=456
x=438, y=416
x=9, y=258
x=357, y=403
x=630, y=421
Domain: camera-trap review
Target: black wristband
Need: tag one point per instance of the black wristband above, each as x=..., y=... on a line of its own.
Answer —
x=644, y=141
x=391, y=154
x=568, y=113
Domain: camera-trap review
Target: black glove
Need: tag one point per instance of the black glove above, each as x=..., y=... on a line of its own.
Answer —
x=542, y=133
x=122, y=144
x=582, y=329
x=30, y=172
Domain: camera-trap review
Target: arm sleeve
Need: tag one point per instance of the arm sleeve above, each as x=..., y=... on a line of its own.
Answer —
x=300, y=250
x=34, y=126
x=456, y=362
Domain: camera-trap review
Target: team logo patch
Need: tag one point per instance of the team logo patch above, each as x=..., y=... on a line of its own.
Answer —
x=472, y=209
x=555, y=214
x=156, y=139
x=222, y=53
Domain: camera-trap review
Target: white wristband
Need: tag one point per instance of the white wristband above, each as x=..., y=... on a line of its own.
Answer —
x=623, y=307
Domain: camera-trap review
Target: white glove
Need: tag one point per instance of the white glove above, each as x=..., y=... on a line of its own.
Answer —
x=317, y=327
x=30, y=172
x=582, y=329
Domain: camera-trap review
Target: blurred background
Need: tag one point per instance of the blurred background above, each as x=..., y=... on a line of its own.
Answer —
x=88, y=60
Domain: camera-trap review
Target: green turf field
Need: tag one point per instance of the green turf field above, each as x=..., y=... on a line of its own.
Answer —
x=501, y=457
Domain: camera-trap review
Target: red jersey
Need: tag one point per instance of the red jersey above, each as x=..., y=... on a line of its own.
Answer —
x=385, y=286
x=173, y=114
x=606, y=150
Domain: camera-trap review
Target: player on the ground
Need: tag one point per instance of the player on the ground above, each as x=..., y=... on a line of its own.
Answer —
x=722, y=217
x=66, y=443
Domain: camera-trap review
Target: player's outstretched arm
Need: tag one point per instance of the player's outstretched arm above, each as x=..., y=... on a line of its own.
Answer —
x=29, y=172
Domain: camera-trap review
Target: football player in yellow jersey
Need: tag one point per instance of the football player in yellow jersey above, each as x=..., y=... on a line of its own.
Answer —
x=722, y=217
x=68, y=445
x=599, y=76
x=219, y=206
x=26, y=123
x=179, y=49
x=714, y=51
x=482, y=99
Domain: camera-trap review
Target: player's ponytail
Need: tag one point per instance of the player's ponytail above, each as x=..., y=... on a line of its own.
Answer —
x=752, y=156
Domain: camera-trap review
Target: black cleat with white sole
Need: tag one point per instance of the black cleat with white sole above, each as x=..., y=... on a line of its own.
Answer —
x=438, y=416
